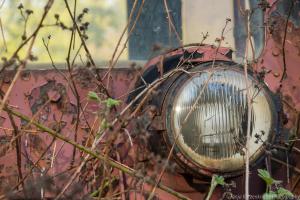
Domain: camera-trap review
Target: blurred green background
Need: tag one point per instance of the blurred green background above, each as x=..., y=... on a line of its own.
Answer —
x=107, y=19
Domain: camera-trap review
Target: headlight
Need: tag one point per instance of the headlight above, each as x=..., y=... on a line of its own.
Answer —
x=207, y=113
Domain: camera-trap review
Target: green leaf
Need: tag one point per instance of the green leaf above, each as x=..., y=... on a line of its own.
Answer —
x=269, y=196
x=265, y=175
x=216, y=180
x=93, y=96
x=284, y=193
x=112, y=102
x=219, y=180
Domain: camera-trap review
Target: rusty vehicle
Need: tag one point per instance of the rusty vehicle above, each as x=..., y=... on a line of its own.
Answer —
x=191, y=105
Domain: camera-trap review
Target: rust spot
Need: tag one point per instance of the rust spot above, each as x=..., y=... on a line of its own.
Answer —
x=84, y=77
x=58, y=126
x=1, y=168
x=2, y=120
x=53, y=91
x=277, y=25
x=2, y=183
x=276, y=74
x=37, y=145
x=54, y=96
x=276, y=52
x=25, y=76
x=12, y=179
x=9, y=169
x=4, y=139
x=6, y=79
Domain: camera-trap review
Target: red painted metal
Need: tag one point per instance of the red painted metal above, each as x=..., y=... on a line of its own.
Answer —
x=49, y=95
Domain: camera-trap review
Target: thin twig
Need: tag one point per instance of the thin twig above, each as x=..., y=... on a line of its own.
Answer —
x=114, y=62
x=296, y=169
x=32, y=37
x=122, y=183
x=76, y=93
x=23, y=64
x=171, y=24
x=284, y=75
x=191, y=110
x=123, y=33
x=3, y=37
x=249, y=105
x=109, y=161
x=89, y=56
x=18, y=149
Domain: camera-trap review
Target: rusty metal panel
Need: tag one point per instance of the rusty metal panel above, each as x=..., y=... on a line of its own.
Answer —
x=46, y=95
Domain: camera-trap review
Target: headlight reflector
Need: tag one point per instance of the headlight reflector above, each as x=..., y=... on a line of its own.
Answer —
x=207, y=119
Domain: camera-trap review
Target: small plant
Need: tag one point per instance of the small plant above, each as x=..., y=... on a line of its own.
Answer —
x=93, y=96
x=215, y=181
x=273, y=190
x=109, y=102
x=104, y=113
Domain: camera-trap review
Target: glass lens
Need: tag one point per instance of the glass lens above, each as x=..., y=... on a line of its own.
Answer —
x=210, y=114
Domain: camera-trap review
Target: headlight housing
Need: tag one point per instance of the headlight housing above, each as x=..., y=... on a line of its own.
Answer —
x=206, y=115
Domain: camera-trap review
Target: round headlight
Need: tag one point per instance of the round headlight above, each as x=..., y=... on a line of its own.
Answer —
x=207, y=114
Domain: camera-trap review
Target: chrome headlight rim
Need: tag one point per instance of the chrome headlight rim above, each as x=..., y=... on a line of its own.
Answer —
x=179, y=154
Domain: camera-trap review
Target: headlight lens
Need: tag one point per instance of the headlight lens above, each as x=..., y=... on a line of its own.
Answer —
x=208, y=118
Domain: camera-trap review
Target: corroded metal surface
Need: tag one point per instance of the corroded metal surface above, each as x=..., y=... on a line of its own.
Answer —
x=272, y=62
x=48, y=97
